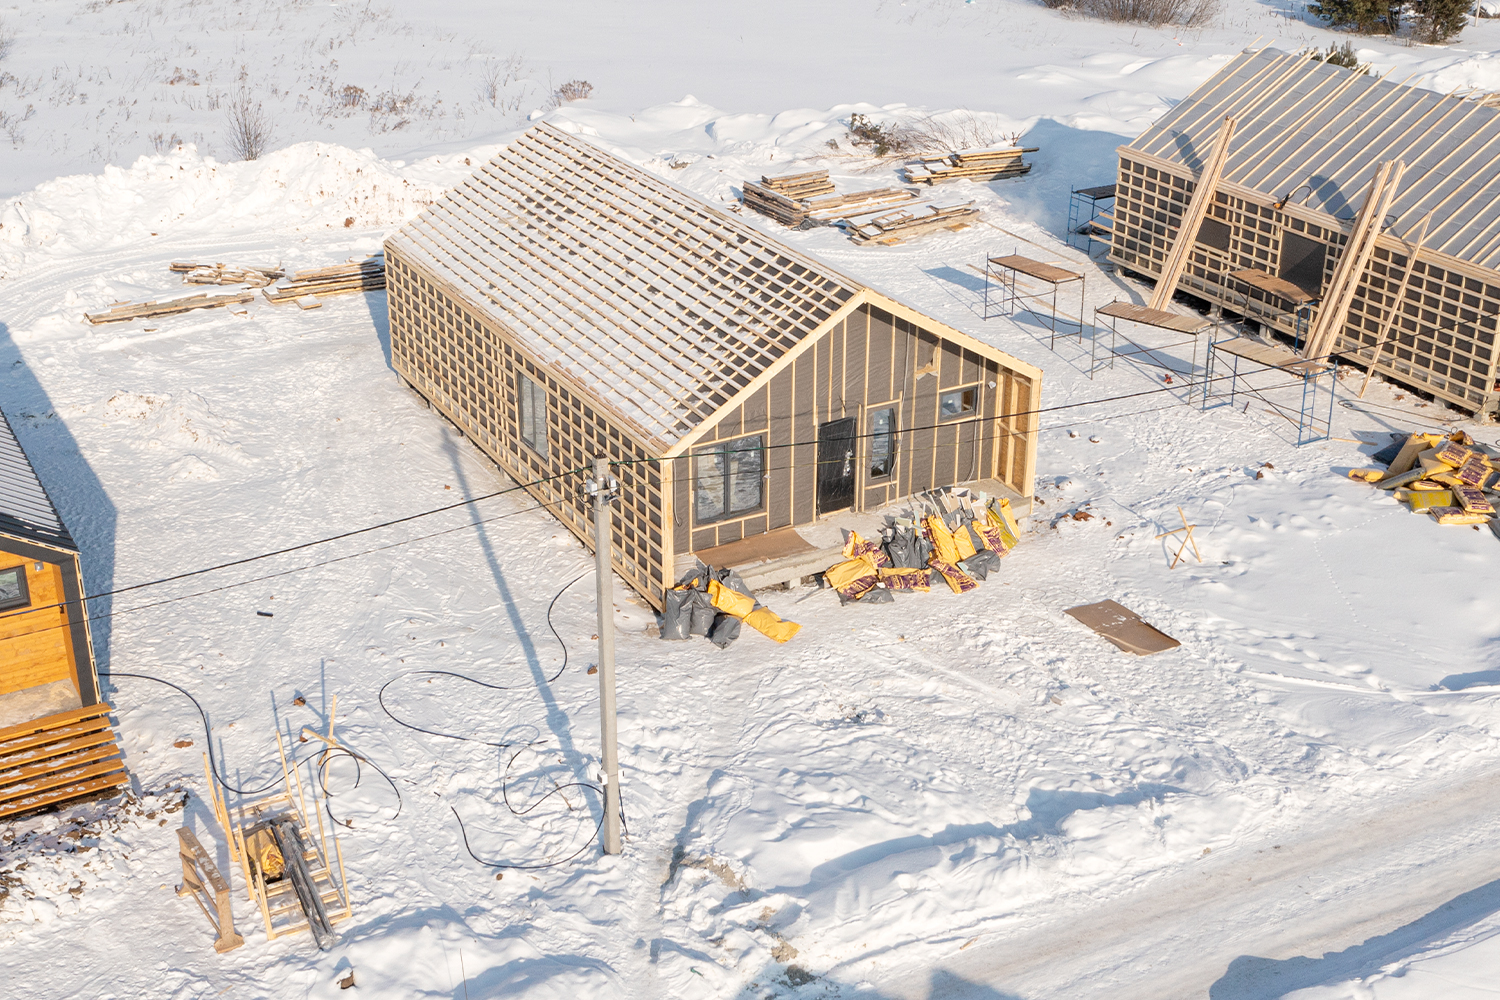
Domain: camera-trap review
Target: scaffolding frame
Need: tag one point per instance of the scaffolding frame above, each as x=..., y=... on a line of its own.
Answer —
x=1005, y=272
x=1265, y=356
x=1158, y=319
x=1085, y=217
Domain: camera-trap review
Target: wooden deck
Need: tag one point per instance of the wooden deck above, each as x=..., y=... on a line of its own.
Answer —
x=57, y=758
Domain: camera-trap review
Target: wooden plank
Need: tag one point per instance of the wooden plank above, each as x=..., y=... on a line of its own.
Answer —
x=53, y=749
x=55, y=780
x=14, y=807
x=1123, y=627
x=1353, y=261
x=1192, y=217
x=53, y=765
x=21, y=743
x=1147, y=316
x=1036, y=269
x=1279, y=287
x=52, y=722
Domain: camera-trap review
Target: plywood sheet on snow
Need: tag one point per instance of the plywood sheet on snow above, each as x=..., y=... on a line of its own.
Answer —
x=1124, y=628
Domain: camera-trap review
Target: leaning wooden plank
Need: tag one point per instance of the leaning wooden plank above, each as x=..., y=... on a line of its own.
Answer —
x=75, y=790
x=46, y=722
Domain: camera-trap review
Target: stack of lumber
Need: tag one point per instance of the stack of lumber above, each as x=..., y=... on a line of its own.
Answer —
x=303, y=287
x=224, y=274
x=1449, y=479
x=970, y=164
x=888, y=227
x=836, y=207
x=784, y=198
x=121, y=311
x=57, y=758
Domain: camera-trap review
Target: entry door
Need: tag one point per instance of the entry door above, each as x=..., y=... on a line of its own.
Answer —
x=836, y=440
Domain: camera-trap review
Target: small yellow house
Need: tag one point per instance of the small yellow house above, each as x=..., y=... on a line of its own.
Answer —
x=56, y=743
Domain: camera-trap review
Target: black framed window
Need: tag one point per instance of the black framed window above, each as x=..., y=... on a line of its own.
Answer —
x=958, y=403
x=882, y=442
x=533, y=414
x=13, y=592
x=729, y=479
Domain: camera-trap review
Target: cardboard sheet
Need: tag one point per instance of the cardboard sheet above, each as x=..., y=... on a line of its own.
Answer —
x=1124, y=628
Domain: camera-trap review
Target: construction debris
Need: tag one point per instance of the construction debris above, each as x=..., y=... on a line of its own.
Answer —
x=366, y=275
x=970, y=164
x=1452, y=479
x=209, y=889
x=224, y=274
x=959, y=542
x=1187, y=539
x=1124, y=628
x=889, y=227
x=714, y=604
x=118, y=312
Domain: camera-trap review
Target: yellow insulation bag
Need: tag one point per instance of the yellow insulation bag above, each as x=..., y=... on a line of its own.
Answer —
x=945, y=548
x=731, y=602
x=772, y=625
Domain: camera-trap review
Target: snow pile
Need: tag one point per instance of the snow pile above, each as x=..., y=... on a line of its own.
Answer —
x=311, y=185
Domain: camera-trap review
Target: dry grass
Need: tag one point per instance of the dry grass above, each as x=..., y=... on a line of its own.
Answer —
x=942, y=132
x=249, y=127
x=1189, y=13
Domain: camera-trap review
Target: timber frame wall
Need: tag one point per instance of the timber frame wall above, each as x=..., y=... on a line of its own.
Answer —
x=873, y=351
x=879, y=355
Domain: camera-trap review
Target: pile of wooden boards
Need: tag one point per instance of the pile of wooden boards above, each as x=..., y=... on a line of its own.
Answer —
x=120, y=311
x=303, y=287
x=970, y=164
x=883, y=216
x=796, y=199
x=57, y=758
x=1450, y=479
x=889, y=226
x=224, y=274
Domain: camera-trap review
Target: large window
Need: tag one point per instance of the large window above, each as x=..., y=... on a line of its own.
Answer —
x=1302, y=262
x=13, y=593
x=882, y=442
x=958, y=403
x=533, y=414
x=729, y=479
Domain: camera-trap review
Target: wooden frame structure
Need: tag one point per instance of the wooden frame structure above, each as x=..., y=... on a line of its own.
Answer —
x=209, y=889
x=1314, y=146
x=277, y=897
x=655, y=328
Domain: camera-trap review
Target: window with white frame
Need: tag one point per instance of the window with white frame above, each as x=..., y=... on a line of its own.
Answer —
x=882, y=442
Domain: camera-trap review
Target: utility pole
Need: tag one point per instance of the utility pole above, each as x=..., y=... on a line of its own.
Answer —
x=603, y=487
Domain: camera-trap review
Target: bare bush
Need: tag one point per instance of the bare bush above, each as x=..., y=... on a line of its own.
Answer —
x=497, y=82
x=7, y=40
x=943, y=132
x=575, y=90
x=249, y=127
x=349, y=96
x=1189, y=13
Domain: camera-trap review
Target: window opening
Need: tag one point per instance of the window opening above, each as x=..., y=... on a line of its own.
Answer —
x=533, y=414
x=729, y=479
x=958, y=403
x=882, y=442
x=13, y=592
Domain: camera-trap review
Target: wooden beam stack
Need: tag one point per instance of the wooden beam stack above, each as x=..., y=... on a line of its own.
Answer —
x=366, y=275
x=970, y=164
x=224, y=274
x=888, y=227
x=57, y=758
x=785, y=198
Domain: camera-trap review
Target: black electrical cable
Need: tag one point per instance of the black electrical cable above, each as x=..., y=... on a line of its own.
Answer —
x=218, y=776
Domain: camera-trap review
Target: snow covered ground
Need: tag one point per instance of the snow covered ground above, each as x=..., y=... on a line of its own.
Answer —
x=949, y=797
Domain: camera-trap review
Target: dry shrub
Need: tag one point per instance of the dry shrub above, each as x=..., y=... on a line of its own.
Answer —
x=943, y=132
x=249, y=129
x=1190, y=13
x=574, y=90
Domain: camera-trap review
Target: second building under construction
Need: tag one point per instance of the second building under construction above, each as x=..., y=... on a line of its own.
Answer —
x=1312, y=146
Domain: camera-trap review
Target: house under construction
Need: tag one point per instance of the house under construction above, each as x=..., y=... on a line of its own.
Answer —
x=563, y=304
x=1356, y=214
